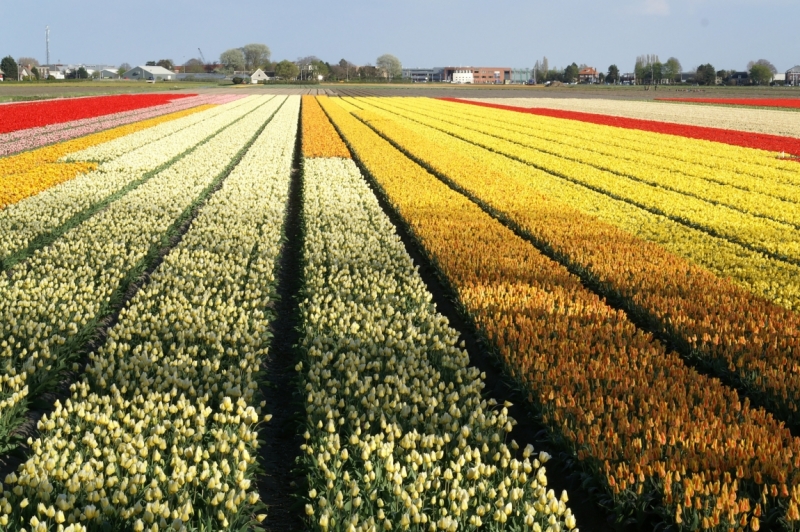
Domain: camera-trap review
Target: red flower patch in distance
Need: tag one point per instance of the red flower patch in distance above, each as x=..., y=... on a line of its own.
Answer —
x=790, y=103
x=760, y=141
x=14, y=117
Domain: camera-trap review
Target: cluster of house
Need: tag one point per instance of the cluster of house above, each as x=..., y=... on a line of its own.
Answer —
x=62, y=71
x=506, y=75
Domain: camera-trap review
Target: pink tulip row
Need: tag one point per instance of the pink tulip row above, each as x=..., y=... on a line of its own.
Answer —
x=28, y=139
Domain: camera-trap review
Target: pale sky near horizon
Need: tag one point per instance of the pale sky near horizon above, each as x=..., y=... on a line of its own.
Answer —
x=421, y=33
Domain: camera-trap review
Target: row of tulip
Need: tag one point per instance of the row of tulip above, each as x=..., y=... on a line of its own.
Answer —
x=740, y=335
x=28, y=139
x=717, y=157
x=51, y=303
x=776, y=239
x=398, y=436
x=36, y=114
x=319, y=138
x=108, y=151
x=29, y=173
x=770, y=122
x=22, y=223
x=161, y=433
x=766, y=194
x=767, y=277
x=633, y=414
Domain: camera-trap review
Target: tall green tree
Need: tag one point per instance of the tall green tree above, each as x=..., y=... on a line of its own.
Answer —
x=613, y=74
x=389, y=66
x=571, y=73
x=672, y=69
x=760, y=74
x=9, y=67
x=287, y=70
x=706, y=74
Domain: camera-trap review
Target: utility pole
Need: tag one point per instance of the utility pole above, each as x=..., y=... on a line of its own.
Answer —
x=47, y=43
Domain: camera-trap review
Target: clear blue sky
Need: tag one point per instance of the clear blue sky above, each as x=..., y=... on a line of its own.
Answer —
x=726, y=33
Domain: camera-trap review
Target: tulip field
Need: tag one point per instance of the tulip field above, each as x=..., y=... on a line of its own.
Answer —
x=632, y=269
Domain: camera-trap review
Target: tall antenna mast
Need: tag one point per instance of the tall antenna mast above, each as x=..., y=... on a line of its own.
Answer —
x=47, y=42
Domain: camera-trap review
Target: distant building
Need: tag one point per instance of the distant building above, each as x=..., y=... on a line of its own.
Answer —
x=2, y=75
x=109, y=74
x=154, y=73
x=424, y=75
x=478, y=75
x=629, y=78
x=740, y=78
x=779, y=78
x=258, y=76
x=793, y=76
x=588, y=75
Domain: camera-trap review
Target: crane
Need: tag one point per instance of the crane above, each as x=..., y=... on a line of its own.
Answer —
x=201, y=55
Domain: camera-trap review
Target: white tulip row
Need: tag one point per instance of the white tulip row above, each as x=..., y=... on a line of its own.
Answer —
x=33, y=217
x=162, y=430
x=398, y=435
x=771, y=121
x=116, y=148
x=50, y=302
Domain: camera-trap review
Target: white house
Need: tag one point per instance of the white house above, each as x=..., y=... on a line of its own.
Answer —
x=258, y=76
x=155, y=73
x=463, y=75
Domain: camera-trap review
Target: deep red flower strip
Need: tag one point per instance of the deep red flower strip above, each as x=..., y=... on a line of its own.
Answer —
x=745, y=139
x=14, y=117
x=791, y=103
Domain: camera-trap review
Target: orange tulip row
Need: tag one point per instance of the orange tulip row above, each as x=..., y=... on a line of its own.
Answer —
x=319, y=138
x=29, y=173
x=740, y=335
x=630, y=411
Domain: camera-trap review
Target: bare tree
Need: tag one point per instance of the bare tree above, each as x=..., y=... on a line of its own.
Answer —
x=194, y=66
x=763, y=62
x=28, y=61
x=232, y=59
x=390, y=66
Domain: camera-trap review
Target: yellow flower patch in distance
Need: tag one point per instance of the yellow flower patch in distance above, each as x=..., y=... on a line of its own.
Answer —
x=319, y=137
x=619, y=398
x=29, y=173
x=713, y=317
x=773, y=238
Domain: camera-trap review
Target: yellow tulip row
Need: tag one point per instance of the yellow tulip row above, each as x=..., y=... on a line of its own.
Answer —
x=758, y=196
x=745, y=337
x=767, y=277
x=767, y=236
x=51, y=303
x=161, y=433
x=132, y=157
x=636, y=414
x=29, y=173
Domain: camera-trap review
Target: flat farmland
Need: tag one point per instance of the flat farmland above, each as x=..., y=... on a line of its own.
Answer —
x=357, y=307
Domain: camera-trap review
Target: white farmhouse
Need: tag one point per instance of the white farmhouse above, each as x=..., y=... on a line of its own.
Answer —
x=258, y=76
x=154, y=73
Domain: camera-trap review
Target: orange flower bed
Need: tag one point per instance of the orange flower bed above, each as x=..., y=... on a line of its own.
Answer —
x=633, y=413
x=319, y=137
x=29, y=173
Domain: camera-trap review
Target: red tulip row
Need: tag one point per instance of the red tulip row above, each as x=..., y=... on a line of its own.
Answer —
x=15, y=117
